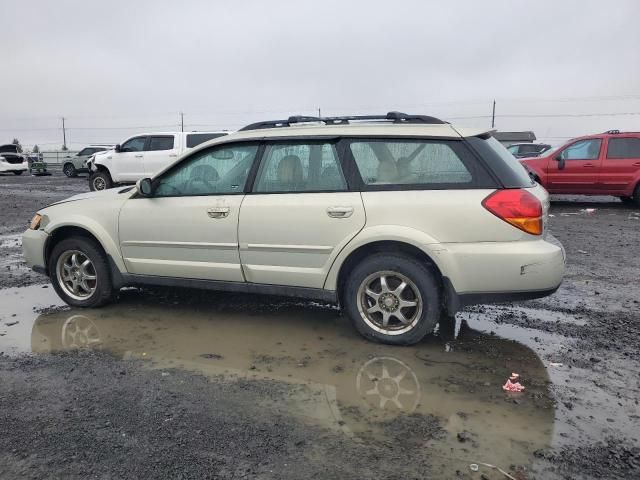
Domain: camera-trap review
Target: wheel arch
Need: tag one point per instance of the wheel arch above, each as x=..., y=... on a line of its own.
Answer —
x=359, y=253
x=62, y=232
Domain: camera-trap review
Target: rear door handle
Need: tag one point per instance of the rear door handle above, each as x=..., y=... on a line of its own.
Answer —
x=637, y=164
x=218, y=212
x=173, y=155
x=340, y=212
x=138, y=156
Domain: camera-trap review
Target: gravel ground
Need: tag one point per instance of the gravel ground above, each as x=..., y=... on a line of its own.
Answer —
x=125, y=411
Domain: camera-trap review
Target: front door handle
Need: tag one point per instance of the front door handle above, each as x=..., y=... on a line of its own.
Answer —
x=588, y=165
x=218, y=212
x=340, y=212
x=637, y=164
x=138, y=156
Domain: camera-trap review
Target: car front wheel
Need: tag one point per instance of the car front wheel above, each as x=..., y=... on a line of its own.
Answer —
x=100, y=181
x=80, y=273
x=392, y=299
x=69, y=170
x=18, y=172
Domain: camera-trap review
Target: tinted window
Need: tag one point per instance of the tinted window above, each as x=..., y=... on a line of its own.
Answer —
x=134, y=145
x=406, y=162
x=509, y=170
x=9, y=148
x=300, y=168
x=220, y=170
x=195, y=139
x=582, y=150
x=623, y=148
x=529, y=148
x=160, y=143
x=86, y=151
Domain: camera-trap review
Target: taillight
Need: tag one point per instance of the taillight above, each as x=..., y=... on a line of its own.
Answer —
x=518, y=207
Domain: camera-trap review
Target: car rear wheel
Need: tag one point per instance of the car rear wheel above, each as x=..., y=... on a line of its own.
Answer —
x=392, y=299
x=100, y=181
x=69, y=170
x=18, y=172
x=79, y=272
x=636, y=195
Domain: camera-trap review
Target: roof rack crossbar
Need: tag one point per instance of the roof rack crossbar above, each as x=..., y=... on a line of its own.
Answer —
x=395, y=117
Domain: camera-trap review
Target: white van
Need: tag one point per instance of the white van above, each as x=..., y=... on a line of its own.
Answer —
x=141, y=156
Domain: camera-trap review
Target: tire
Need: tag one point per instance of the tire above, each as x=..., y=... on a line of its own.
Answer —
x=636, y=195
x=626, y=200
x=19, y=172
x=421, y=289
x=100, y=180
x=69, y=170
x=93, y=292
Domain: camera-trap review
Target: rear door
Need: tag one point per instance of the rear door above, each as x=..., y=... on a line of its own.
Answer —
x=582, y=165
x=160, y=151
x=621, y=165
x=298, y=216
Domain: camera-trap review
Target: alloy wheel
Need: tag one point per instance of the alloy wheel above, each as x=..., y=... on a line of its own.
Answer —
x=76, y=274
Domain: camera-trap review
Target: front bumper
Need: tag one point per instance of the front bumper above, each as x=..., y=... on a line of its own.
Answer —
x=13, y=167
x=33, y=248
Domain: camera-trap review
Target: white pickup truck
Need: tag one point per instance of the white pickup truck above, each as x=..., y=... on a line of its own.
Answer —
x=141, y=156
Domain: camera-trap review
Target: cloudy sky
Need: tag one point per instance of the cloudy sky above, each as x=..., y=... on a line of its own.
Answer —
x=120, y=67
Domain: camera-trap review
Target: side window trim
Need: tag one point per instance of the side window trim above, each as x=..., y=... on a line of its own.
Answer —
x=260, y=157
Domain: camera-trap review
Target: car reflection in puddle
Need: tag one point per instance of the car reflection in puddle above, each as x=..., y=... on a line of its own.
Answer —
x=336, y=378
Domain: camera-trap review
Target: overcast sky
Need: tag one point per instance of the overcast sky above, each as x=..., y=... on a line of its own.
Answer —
x=117, y=68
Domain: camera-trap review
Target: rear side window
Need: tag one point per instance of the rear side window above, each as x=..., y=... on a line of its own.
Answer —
x=623, y=148
x=160, y=143
x=409, y=163
x=509, y=171
x=195, y=139
x=300, y=167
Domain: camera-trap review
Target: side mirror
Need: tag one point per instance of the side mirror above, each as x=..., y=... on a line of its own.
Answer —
x=560, y=161
x=144, y=187
x=117, y=148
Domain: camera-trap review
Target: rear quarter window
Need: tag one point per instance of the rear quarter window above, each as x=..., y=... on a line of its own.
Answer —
x=504, y=166
x=398, y=164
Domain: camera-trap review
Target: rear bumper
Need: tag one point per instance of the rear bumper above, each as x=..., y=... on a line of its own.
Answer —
x=13, y=167
x=494, y=272
x=33, y=247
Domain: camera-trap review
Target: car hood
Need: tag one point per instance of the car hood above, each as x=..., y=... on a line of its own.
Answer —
x=101, y=194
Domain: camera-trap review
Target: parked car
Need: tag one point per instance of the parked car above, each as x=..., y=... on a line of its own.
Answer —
x=11, y=160
x=76, y=164
x=37, y=165
x=141, y=156
x=396, y=217
x=528, y=150
x=603, y=164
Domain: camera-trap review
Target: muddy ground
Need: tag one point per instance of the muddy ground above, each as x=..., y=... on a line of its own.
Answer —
x=186, y=384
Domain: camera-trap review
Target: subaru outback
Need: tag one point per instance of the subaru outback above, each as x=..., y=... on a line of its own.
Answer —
x=397, y=218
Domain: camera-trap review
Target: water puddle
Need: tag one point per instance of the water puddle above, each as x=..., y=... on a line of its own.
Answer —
x=450, y=384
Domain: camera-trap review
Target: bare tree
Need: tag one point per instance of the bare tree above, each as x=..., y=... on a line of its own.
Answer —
x=16, y=142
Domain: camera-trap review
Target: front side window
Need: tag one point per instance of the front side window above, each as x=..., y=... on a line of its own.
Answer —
x=300, y=167
x=86, y=151
x=409, y=162
x=620, y=148
x=133, y=145
x=582, y=150
x=157, y=143
x=221, y=170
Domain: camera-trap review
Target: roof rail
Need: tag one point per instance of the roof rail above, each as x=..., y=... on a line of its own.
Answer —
x=395, y=117
x=612, y=132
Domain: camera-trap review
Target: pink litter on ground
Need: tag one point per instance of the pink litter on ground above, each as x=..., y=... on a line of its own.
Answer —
x=513, y=384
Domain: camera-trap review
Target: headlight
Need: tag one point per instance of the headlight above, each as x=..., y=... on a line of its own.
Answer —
x=35, y=222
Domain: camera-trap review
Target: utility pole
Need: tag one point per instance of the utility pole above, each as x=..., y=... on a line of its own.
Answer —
x=64, y=135
x=493, y=115
x=319, y=114
x=182, y=121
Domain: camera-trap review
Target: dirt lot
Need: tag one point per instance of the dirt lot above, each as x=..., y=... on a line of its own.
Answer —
x=188, y=384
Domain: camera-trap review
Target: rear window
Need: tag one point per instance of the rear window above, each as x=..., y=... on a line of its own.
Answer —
x=623, y=148
x=195, y=139
x=504, y=165
x=416, y=164
x=160, y=143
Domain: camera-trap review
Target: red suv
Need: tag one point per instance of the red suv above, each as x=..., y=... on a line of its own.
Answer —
x=604, y=164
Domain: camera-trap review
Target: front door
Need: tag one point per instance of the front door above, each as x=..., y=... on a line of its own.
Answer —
x=298, y=216
x=581, y=170
x=188, y=228
x=128, y=163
